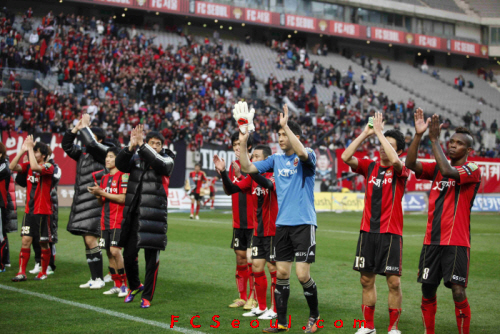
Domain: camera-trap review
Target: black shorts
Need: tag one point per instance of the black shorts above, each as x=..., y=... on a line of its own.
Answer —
x=261, y=247
x=212, y=193
x=109, y=238
x=37, y=226
x=294, y=242
x=242, y=238
x=196, y=196
x=451, y=263
x=379, y=253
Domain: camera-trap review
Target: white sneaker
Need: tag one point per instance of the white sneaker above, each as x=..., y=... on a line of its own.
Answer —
x=364, y=330
x=7, y=265
x=88, y=284
x=191, y=216
x=37, y=269
x=269, y=315
x=112, y=291
x=98, y=284
x=197, y=217
x=123, y=291
x=50, y=271
x=254, y=312
x=107, y=278
x=395, y=331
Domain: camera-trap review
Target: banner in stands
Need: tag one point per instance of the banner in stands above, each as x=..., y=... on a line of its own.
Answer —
x=325, y=163
x=67, y=165
x=346, y=29
x=206, y=157
x=414, y=202
x=486, y=203
x=165, y=5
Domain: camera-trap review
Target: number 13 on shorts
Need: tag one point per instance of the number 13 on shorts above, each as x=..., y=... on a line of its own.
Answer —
x=360, y=262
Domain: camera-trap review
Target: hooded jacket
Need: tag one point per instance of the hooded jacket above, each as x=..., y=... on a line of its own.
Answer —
x=147, y=195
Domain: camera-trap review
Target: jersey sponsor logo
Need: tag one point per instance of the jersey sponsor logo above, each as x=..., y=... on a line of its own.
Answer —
x=113, y=184
x=111, y=190
x=389, y=173
x=296, y=162
x=259, y=191
x=459, y=278
x=441, y=185
x=286, y=172
x=125, y=178
x=300, y=253
x=35, y=178
x=379, y=182
x=288, y=163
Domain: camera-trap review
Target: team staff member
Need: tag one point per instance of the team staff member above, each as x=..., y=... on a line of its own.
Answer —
x=8, y=208
x=85, y=216
x=146, y=202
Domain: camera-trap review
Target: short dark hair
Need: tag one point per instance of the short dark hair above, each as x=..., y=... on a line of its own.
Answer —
x=42, y=148
x=114, y=149
x=236, y=136
x=3, y=151
x=197, y=164
x=399, y=137
x=265, y=149
x=99, y=133
x=155, y=135
x=49, y=153
x=466, y=131
x=295, y=127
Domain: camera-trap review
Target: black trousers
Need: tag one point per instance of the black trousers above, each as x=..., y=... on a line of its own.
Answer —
x=131, y=260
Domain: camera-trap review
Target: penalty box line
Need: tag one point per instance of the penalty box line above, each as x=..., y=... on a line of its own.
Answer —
x=102, y=310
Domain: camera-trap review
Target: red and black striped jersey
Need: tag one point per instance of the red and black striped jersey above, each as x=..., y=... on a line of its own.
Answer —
x=198, y=178
x=242, y=204
x=265, y=203
x=450, y=204
x=38, y=187
x=383, y=212
x=112, y=213
x=212, y=184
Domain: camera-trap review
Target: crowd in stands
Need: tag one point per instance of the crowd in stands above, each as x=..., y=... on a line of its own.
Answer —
x=122, y=77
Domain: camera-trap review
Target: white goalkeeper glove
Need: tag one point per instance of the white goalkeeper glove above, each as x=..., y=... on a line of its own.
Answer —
x=244, y=117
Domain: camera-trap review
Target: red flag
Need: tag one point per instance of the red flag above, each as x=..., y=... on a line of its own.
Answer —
x=43, y=48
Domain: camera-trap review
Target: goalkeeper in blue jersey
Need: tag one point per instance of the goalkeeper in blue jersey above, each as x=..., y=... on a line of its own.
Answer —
x=294, y=172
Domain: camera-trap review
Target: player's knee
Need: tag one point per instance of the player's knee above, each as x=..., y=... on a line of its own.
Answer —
x=394, y=283
x=366, y=282
x=282, y=274
x=458, y=292
x=303, y=277
x=115, y=252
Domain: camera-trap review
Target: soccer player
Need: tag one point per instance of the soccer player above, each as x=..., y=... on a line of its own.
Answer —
x=85, y=216
x=380, y=243
x=199, y=178
x=38, y=204
x=294, y=172
x=8, y=208
x=146, y=205
x=243, y=223
x=111, y=195
x=212, y=192
x=446, y=250
x=265, y=205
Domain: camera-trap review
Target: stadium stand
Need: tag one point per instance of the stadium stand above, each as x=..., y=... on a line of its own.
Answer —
x=448, y=5
x=485, y=8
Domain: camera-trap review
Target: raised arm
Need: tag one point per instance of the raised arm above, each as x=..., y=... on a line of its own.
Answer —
x=94, y=148
x=220, y=166
x=67, y=144
x=246, y=165
x=444, y=166
x=348, y=154
x=378, y=127
x=420, y=128
x=35, y=167
x=297, y=146
x=162, y=165
x=14, y=165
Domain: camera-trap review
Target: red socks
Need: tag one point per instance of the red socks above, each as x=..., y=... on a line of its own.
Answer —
x=394, y=314
x=45, y=261
x=273, y=287
x=261, y=289
x=212, y=206
x=462, y=312
x=24, y=257
x=117, y=279
x=251, y=281
x=123, y=278
x=241, y=280
x=368, y=313
x=192, y=208
x=197, y=209
x=429, y=307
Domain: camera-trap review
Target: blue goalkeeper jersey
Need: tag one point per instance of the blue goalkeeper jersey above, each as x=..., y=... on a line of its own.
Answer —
x=294, y=186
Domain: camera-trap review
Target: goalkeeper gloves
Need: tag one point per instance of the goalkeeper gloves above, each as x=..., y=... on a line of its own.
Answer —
x=244, y=117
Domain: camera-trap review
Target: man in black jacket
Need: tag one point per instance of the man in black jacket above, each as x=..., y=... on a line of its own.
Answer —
x=8, y=208
x=85, y=216
x=145, y=223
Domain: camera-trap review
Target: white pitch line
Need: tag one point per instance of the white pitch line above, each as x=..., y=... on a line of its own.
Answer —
x=102, y=310
x=320, y=229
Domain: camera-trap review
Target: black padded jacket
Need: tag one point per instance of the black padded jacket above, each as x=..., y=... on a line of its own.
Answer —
x=7, y=199
x=147, y=195
x=85, y=216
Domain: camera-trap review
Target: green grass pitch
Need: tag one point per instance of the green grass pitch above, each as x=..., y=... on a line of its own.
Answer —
x=196, y=277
